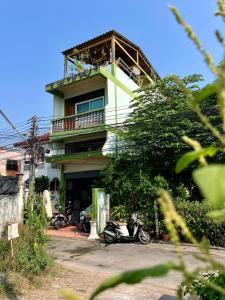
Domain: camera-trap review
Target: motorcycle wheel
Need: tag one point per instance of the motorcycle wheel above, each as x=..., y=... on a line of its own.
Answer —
x=143, y=237
x=86, y=227
x=80, y=226
x=57, y=224
x=108, y=239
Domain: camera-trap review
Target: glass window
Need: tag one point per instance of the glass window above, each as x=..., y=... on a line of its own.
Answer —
x=41, y=155
x=12, y=165
x=90, y=105
x=27, y=184
x=54, y=185
x=96, y=104
x=83, y=107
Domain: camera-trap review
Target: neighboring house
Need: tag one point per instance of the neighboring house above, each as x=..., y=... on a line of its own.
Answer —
x=11, y=196
x=10, y=162
x=52, y=171
x=101, y=76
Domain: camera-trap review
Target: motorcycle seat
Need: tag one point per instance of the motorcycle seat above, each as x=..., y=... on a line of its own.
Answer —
x=60, y=216
x=113, y=223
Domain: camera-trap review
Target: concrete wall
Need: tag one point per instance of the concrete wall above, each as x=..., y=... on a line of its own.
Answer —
x=117, y=106
x=121, y=76
x=110, y=104
x=11, y=209
x=58, y=109
x=94, y=165
x=85, y=86
x=123, y=98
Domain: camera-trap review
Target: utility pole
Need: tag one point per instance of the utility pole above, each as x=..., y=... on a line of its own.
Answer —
x=32, y=150
x=31, y=143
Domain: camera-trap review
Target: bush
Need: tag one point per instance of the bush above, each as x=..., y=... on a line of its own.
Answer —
x=120, y=212
x=203, y=291
x=41, y=184
x=195, y=215
x=30, y=256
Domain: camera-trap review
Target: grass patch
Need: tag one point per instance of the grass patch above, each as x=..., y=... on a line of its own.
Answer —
x=16, y=284
x=30, y=257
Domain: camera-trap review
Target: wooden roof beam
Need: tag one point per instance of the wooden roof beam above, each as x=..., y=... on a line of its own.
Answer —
x=131, y=57
x=125, y=43
x=149, y=66
x=89, y=47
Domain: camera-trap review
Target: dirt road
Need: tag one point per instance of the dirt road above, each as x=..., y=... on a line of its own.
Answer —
x=82, y=265
x=106, y=260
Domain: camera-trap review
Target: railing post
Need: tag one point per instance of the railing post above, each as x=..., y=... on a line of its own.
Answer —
x=76, y=122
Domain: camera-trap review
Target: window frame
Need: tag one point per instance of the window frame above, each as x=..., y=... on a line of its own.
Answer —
x=12, y=166
x=89, y=101
x=56, y=185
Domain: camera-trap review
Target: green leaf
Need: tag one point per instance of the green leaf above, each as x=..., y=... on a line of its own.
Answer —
x=211, y=182
x=136, y=276
x=191, y=156
x=218, y=216
x=68, y=295
x=205, y=93
x=205, y=245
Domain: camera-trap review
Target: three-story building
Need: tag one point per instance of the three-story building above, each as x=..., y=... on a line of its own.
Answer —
x=101, y=76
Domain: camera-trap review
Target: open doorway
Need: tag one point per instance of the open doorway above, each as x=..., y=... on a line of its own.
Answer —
x=79, y=192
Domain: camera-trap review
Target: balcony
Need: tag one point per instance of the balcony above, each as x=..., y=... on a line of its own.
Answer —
x=81, y=121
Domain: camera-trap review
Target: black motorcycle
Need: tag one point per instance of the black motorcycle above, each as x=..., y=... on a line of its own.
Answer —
x=113, y=233
x=62, y=220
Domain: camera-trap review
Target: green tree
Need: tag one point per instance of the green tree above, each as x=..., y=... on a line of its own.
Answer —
x=152, y=139
x=160, y=117
x=41, y=184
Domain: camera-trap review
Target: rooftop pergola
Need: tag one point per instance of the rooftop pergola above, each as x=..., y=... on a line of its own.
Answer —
x=108, y=48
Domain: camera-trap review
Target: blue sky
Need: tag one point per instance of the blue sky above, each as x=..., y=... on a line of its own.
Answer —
x=34, y=32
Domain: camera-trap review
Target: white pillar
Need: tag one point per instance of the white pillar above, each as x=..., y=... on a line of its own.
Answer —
x=93, y=233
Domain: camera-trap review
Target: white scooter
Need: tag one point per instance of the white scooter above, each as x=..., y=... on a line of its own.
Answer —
x=114, y=233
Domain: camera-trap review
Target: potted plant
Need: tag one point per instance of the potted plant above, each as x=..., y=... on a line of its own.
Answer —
x=120, y=214
x=92, y=213
x=164, y=232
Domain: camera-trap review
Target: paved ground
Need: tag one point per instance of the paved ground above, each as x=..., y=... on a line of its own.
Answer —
x=69, y=231
x=96, y=261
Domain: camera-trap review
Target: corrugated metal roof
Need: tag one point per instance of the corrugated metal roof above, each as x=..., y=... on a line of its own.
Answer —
x=108, y=35
x=96, y=39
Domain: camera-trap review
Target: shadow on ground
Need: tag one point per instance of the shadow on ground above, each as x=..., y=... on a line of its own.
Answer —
x=167, y=297
x=9, y=290
x=82, y=250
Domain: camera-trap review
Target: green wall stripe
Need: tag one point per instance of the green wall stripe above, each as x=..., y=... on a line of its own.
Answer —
x=117, y=82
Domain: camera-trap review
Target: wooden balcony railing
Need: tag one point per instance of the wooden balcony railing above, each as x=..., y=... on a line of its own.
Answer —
x=74, y=122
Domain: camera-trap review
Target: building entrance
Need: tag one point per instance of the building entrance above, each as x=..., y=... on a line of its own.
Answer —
x=79, y=192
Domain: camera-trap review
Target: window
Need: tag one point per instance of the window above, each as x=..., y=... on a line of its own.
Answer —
x=55, y=166
x=90, y=105
x=41, y=155
x=12, y=165
x=84, y=146
x=54, y=185
x=27, y=184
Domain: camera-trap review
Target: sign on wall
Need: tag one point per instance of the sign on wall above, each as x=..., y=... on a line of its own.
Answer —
x=13, y=231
